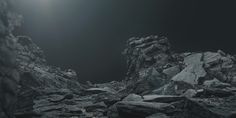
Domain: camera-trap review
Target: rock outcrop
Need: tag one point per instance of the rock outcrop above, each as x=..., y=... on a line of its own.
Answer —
x=40, y=82
x=196, y=85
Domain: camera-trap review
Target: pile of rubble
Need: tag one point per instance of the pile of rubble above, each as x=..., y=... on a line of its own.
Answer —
x=186, y=85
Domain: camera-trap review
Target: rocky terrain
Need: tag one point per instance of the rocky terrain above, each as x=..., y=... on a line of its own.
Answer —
x=159, y=83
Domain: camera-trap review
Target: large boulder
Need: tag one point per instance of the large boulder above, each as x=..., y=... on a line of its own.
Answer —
x=149, y=79
x=191, y=75
x=142, y=53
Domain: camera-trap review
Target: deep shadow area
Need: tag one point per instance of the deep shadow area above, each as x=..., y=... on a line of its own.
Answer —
x=88, y=35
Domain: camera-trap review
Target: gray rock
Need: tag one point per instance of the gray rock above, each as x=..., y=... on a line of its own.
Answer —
x=215, y=83
x=233, y=81
x=113, y=112
x=145, y=52
x=191, y=74
x=108, y=98
x=100, y=90
x=190, y=93
x=211, y=58
x=161, y=98
x=172, y=71
x=173, y=88
x=193, y=59
x=210, y=107
x=100, y=105
x=142, y=109
x=214, y=92
x=133, y=97
x=149, y=80
x=158, y=115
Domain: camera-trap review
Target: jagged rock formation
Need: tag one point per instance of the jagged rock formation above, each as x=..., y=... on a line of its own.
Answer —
x=171, y=85
x=159, y=82
x=186, y=85
x=38, y=79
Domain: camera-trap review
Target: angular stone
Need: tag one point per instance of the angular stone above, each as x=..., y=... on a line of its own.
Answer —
x=214, y=92
x=210, y=107
x=149, y=80
x=142, y=109
x=108, y=98
x=189, y=93
x=233, y=82
x=158, y=115
x=211, y=58
x=100, y=90
x=100, y=105
x=172, y=71
x=191, y=74
x=161, y=98
x=133, y=97
x=193, y=59
x=215, y=83
x=113, y=112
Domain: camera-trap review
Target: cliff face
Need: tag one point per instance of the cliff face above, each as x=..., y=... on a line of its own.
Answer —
x=9, y=76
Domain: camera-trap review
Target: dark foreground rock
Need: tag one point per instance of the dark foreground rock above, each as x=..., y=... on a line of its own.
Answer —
x=9, y=76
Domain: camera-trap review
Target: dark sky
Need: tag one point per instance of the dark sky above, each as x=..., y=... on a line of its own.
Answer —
x=88, y=35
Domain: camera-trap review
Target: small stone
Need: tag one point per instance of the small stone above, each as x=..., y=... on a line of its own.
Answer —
x=133, y=97
x=162, y=98
x=158, y=115
x=215, y=83
x=190, y=93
